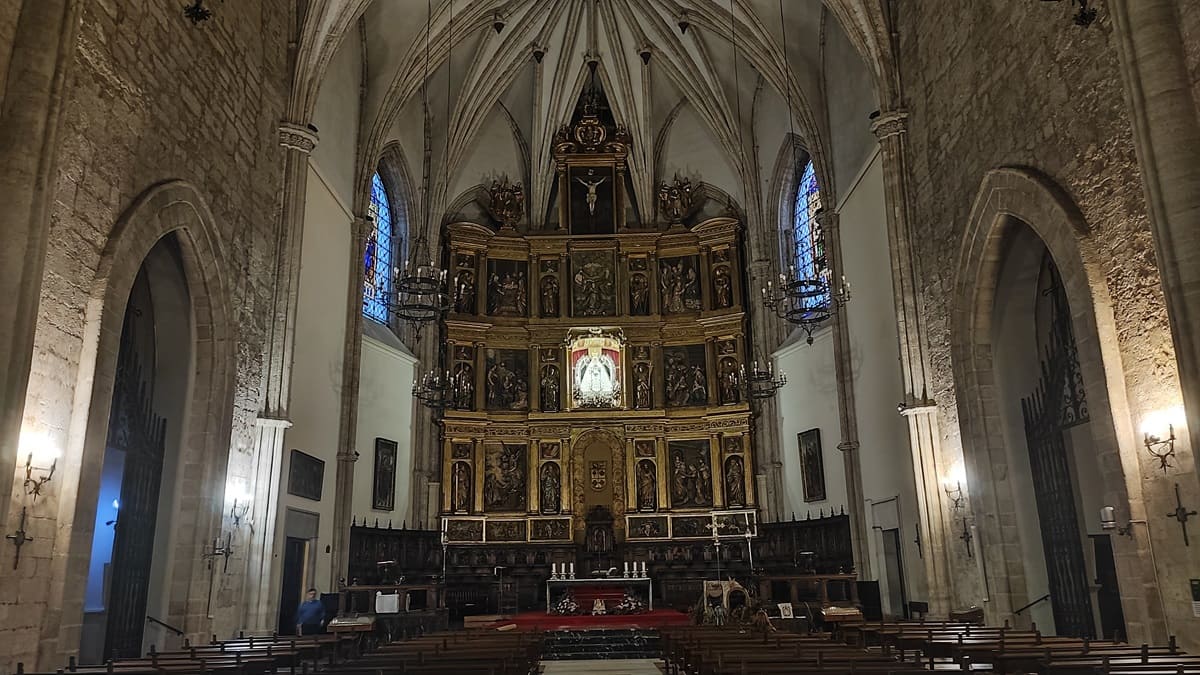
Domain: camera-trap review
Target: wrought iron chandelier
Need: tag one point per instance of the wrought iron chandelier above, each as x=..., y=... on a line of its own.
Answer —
x=440, y=389
x=805, y=296
x=419, y=291
x=806, y=300
x=758, y=383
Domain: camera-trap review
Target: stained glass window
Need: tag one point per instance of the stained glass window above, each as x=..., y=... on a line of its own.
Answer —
x=380, y=252
x=808, y=242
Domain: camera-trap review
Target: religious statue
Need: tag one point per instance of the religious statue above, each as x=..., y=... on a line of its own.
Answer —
x=703, y=484
x=506, y=202
x=722, y=288
x=506, y=293
x=639, y=295
x=506, y=388
x=549, y=295
x=549, y=385
x=678, y=286
x=593, y=291
x=735, y=486
x=461, y=492
x=682, y=477
x=647, y=486
x=551, y=488
x=699, y=391
x=504, y=478
x=678, y=380
x=675, y=199
x=729, y=382
x=641, y=386
x=591, y=192
x=464, y=292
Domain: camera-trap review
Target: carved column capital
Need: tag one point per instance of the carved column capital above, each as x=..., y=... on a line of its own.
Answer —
x=890, y=123
x=301, y=138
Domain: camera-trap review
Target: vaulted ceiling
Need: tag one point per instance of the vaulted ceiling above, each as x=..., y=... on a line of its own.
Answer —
x=460, y=101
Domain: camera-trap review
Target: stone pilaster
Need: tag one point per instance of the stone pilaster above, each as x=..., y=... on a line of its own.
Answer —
x=273, y=420
x=1166, y=130
x=847, y=411
x=924, y=435
x=343, y=502
x=42, y=54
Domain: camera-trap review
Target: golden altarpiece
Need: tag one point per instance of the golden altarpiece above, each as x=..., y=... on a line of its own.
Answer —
x=598, y=368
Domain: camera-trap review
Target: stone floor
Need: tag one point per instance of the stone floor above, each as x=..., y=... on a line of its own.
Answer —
x=603, y=667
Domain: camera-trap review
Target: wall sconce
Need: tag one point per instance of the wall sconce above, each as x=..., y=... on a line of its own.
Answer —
x=39, y=447
x=1158, y=431
x=952, y=486
x=241, y=502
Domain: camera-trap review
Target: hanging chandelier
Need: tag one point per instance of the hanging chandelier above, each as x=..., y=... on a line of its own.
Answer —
x=758, y=383
x=807, y=300
x=439, y=389
x=806, y=295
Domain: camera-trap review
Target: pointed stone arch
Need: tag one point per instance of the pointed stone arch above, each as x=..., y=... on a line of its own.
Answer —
x=173, y=206
x=1011, y=197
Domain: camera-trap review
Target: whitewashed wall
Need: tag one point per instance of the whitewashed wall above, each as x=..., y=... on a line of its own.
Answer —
x=385, y=407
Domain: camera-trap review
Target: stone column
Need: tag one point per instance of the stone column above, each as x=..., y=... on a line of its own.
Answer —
x=1166, y=131
x=31, y=102
x=273, y=420
x=343, y=500
x=847, y=411
x=924, y=435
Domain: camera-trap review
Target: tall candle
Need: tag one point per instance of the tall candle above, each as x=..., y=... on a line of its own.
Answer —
x=572, y=569
x=627, y=567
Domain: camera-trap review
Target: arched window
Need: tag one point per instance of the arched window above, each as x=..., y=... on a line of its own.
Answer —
x=383, y=248
x=808, y=241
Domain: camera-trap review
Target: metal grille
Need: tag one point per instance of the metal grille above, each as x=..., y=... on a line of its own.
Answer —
x=134, y=428
x=1056, y=404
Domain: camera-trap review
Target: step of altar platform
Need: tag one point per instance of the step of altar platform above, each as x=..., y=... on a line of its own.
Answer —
x=602, y=643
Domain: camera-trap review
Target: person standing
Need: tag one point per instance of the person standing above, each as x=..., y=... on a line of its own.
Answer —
x=310, y=615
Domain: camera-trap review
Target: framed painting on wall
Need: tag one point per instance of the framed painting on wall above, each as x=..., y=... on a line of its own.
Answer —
x=305, y=476
x=383, y=495
x=812, y=467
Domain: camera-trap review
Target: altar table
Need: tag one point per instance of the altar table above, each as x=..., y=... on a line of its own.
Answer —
x=609, y=582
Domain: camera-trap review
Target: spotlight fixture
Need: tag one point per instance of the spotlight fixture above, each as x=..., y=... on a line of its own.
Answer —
x=497, y=22
x=539, y=53
x=1086, y=15
x=684, y=24
x=645, y=53
x=1108, y=521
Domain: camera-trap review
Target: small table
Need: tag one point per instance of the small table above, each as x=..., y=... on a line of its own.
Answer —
x=612, y=582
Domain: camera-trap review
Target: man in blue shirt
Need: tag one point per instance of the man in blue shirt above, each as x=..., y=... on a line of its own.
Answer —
x=310, y=616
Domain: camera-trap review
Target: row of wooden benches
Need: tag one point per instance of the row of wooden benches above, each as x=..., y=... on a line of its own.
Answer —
x=963, y=646
x=908, y=648
x=240, y=656
x=468, y=653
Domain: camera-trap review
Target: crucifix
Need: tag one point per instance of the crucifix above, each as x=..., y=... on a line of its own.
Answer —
x=1181, y=514
x=966, y=538
x=19, y=539
x=917, y=540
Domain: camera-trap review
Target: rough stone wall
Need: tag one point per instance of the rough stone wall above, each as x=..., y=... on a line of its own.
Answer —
x=1015, y=83
x=153, y=98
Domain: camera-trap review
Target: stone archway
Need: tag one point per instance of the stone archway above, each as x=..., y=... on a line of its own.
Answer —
x=172, y=206
x=598, y=445
x=1010, y=198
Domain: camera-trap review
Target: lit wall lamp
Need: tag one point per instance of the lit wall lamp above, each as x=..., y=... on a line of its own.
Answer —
x=1158, y=431
x=241, y=503
x=40, y=452
x=952, y=486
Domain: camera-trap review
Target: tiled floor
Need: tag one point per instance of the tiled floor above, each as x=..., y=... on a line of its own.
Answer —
x=603, y=667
